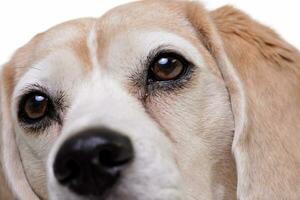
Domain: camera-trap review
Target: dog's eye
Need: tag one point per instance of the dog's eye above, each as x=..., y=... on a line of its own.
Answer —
x=34, y=107
x=167, y=66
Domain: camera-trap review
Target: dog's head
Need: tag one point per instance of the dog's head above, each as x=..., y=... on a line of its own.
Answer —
x=142, y=103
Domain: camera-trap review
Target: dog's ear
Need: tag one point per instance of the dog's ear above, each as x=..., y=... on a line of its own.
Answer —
x=262, y=76
x=10, y=158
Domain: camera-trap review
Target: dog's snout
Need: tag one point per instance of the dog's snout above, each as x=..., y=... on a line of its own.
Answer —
x=91, y=162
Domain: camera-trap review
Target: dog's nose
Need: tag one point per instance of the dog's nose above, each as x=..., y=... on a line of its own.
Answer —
x=91, y=162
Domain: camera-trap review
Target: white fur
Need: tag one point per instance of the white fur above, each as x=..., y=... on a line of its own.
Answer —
x=93, y=46
x=126, y=116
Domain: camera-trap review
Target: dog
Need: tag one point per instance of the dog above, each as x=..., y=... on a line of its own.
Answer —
x=155, y=100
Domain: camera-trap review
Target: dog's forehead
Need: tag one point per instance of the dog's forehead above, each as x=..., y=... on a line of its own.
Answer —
x=149, y=15
x=70, y=36
x=143, y=16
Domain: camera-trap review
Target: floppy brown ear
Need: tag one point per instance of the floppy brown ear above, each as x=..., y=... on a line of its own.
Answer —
x=10, y=159
x=262, y=76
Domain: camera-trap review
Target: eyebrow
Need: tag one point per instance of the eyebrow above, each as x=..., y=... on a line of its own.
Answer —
x=34, y=87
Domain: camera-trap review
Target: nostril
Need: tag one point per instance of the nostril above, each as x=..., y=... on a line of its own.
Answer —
x=115, y=155
x=106, y=157
x=70, y=170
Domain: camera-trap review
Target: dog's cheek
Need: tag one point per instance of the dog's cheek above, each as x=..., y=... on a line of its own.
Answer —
x=34, y=150
x=197, y=119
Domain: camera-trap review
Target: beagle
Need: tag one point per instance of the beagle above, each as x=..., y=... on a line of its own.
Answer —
x=155, y=100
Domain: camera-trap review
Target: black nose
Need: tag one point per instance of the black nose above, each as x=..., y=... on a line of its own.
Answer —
x=91, y=162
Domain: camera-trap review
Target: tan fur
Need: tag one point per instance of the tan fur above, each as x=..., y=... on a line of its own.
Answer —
x=269, y=69
x=262, y=78
x=5, y=192
x=40, y=46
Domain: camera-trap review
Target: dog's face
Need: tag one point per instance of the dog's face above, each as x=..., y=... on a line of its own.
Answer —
x=128, y=106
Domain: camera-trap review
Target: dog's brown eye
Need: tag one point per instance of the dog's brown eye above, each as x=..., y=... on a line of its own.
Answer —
x=37, y=110
x=35, y=106
x=167, y=67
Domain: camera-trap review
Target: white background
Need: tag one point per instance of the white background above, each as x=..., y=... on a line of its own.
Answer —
x=20, y=20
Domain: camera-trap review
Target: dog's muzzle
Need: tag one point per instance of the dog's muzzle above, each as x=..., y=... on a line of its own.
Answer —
x=91, y=162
